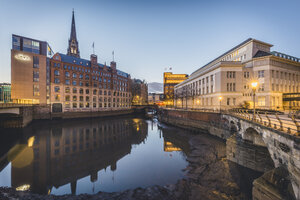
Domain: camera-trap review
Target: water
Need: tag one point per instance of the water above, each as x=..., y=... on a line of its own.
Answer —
x=88, y=156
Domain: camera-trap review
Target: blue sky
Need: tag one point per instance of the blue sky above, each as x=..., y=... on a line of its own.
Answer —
x=148, y=36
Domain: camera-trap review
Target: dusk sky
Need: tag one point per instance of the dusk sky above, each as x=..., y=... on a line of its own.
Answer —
x=149, y=36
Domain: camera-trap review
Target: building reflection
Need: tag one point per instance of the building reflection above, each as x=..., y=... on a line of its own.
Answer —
x=170, y=147
x=175, y=140
x=64, y=153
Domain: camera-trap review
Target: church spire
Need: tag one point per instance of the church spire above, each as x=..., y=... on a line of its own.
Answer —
x=73, y=49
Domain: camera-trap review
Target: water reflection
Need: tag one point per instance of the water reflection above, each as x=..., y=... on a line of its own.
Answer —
x=50, y=156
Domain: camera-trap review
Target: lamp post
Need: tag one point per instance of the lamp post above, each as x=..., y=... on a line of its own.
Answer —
x=220, y=100
x=254, y=86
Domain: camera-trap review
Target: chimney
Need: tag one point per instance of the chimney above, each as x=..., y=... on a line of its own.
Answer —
x=94, y=59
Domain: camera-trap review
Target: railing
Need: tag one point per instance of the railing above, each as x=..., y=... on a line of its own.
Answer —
x=283, y=123
x=14, y=105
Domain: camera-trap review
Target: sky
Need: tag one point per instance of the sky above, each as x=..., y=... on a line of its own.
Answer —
x=149, y=36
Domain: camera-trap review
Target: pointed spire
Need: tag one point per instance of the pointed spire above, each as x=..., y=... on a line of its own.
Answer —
x=73, y=49
x=73, y=28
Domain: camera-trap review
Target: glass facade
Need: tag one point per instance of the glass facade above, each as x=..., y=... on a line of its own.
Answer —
x=5, y=93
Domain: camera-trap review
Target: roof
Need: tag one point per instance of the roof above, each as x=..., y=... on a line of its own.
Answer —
x=237, y=46
x=260, y=53
x=74, y=60
x=87, y=63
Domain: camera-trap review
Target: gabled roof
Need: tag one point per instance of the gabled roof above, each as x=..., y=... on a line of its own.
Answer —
x=260, y=53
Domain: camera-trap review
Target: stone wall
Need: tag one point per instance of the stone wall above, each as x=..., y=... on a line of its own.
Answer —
x=28, y=114
x=273, y=185
x=196, y=121
x=248, y=154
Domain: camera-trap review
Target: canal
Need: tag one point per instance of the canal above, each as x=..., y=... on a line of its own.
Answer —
x=112, y=155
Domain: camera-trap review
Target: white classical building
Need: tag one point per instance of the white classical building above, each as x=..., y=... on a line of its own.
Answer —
x=229, y=78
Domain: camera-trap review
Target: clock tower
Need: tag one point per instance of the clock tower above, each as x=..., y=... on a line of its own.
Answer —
x=73, y=49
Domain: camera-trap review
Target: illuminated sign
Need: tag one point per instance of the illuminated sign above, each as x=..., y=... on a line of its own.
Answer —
x=22, y=57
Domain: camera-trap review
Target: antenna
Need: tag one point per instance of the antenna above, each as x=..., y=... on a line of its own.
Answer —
x=93, y=48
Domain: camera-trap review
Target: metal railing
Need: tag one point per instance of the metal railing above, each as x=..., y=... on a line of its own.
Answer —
x=284, y=123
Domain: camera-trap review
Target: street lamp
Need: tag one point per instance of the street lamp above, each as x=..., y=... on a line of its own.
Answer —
x=220, y=100
x=254, y=85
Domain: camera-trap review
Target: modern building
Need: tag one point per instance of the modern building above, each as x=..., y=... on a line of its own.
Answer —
x=65, y=81
x=139, y=92
x=226, y=81
x=156, y=98
x=30, y=71
x=170, y=80
x=5, y=92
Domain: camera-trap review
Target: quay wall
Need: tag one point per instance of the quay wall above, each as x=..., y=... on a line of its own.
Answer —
x=25, y=115
x=208, y=122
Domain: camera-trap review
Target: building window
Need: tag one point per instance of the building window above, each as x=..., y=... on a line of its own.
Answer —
x=81, y=91
x=36, y=76
x=16, y=42
x=57, y=97
x=74, y=83
x=87, y=91
x=74, y=105
x=67, y=74
x=80, y=83
x=74, y=90
x=67, y=82
x=74, y=75
x=56, y=89
x=261, y=74
x=36, y=90
x=228, y=101
x=230, y=74
x=87, y=77
x=67, y=90
x=56, y=72
x=87, y=98
x=74, y=98
x=68, y=98
x=36, y=63
x=246, y=75
x=56, y=80
x=81, y=98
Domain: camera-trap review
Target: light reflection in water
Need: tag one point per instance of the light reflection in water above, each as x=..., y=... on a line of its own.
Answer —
x=98, y=155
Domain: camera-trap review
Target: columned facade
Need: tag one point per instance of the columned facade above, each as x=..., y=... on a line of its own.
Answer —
x=226, y=81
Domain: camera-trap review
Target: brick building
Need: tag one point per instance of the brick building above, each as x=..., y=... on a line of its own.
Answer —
x=66, y=81
x=139, y=91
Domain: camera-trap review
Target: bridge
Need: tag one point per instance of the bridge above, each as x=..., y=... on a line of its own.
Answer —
x=268, y=142
x=279, y=134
